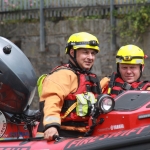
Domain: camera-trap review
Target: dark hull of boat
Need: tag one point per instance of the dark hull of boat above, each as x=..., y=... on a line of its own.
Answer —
x=138, y=138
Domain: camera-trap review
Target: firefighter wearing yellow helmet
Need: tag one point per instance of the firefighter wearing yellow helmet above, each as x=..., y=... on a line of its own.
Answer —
x=130, y=65
x=87, y=45
x=69, y=89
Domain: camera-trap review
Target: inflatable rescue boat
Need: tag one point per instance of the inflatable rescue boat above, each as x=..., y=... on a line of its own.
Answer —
x=120, y=123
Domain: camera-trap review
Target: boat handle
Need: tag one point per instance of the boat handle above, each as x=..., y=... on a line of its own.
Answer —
x=56, y=137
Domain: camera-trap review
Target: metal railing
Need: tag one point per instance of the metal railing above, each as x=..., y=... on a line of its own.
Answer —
x=29, y=9
x=9, y=5
x=43, y=9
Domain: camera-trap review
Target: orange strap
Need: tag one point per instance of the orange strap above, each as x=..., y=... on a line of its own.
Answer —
x=104, y=83
x=80, y=129
x=70, y=109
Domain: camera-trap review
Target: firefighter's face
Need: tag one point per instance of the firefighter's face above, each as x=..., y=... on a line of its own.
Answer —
x=85, y=58
x=129, y=72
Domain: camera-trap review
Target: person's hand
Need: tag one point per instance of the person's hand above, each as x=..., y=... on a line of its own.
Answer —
x=49, y=133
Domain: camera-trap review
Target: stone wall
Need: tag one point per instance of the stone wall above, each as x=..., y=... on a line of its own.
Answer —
x=26, y=35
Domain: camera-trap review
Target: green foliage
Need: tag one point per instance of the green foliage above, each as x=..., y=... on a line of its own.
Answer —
x=136, y=22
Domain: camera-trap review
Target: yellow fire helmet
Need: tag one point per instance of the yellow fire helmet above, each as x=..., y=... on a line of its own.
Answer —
x=82, y=40
x=130, y=54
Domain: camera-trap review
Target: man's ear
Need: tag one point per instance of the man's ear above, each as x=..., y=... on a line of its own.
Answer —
x=72, y=52
x=142, y=68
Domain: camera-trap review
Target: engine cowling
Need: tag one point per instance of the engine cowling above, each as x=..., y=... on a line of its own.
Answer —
x=17, y=78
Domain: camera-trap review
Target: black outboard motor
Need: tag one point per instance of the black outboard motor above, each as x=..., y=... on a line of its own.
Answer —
x=17, y=78
x=17, y=88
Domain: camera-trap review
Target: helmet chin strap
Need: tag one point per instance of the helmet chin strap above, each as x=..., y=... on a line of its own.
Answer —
x=140, y=72
x=76, y=63
x=120, y=74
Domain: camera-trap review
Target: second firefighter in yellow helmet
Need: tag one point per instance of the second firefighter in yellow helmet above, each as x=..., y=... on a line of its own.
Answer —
x=130, y=65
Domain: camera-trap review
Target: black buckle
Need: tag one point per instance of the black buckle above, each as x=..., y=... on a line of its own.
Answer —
x=126, y=86
x=88, y=88
x=91, y=79
x=117, y=92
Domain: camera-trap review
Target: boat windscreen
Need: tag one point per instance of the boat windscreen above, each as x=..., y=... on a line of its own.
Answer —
x=131, y=100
